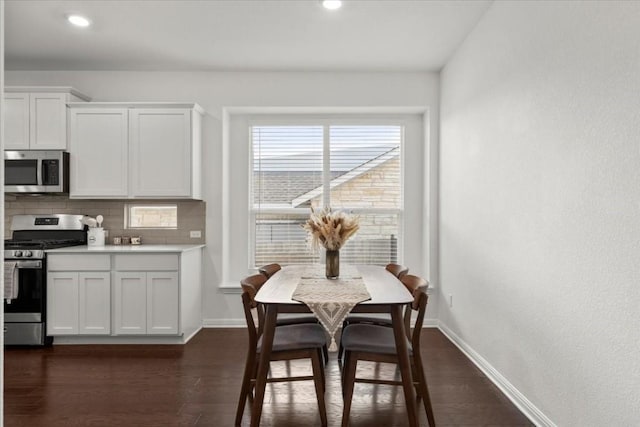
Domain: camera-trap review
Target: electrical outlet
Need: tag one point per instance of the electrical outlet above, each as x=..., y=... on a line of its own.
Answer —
x=195, y=234
x=451, y=300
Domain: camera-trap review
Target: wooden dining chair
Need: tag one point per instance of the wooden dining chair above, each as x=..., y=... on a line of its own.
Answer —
x=376, y=343
x=290, y=342
x=269, y=270
x=252, y=285
x=399, y=271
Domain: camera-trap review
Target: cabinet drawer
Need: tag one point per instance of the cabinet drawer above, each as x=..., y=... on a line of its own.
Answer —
x=146, y=262
x=76, y=262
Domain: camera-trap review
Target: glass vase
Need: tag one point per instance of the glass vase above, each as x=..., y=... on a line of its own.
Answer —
x=332, y=264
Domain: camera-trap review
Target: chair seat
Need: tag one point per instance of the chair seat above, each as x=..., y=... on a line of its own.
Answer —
x=370, y=339
x=355, y=319
x=283, y=321
x=297, y=337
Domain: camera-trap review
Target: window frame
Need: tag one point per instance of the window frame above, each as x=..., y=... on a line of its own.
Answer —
x=127, y=215
x=326, y=121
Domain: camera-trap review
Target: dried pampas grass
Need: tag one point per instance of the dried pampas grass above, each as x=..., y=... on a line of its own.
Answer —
x=331, y=229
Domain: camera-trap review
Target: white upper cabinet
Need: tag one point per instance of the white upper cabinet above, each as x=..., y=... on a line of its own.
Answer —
x=16, y=121
x=98, y=147
x=160, y=152
x=36, y=118
x=160, y=144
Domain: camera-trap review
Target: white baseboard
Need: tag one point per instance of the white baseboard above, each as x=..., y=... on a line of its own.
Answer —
x=430, y=323
x=224, y=323
x=522, y=403
x=193, y=333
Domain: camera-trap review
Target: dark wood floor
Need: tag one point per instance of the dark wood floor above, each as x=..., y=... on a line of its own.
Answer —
x=198, y=384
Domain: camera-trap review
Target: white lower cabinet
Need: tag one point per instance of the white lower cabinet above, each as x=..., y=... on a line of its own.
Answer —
x=162, y=303
x=79, y=303
x=62, y=304
x=146, y=303
x=124, y=295
x=95, y=303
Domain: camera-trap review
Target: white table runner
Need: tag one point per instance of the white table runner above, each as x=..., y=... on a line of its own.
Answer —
x=331, y=300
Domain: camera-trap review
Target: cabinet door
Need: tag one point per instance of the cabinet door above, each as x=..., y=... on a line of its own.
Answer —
x=62, y=304
x=160, y=147
x=16, y=121
x=48, y=121
x=130, y=303
x=95, y=303
x=99, y=153
x=162, y=303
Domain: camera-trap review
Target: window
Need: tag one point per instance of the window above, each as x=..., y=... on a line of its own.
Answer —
x=150, y=216
x=352, y=167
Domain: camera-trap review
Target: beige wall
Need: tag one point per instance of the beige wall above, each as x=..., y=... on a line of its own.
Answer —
x=191, y=216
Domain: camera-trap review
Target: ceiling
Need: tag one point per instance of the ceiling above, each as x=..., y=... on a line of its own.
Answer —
x=294, y=35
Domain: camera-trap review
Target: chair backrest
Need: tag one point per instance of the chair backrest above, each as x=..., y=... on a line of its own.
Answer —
x=420, y=301
x=269, y=270
x=417, y=286
x=397, y=270
x=250, y=287
x=414, y=284
x=251, y=325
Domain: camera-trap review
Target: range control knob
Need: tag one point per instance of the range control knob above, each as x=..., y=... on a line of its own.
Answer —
x=17, y=253
x=27, y=254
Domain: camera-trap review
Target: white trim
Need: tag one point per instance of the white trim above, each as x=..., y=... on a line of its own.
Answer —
x=534, y=414
x=429, y=323
x=134, y=105
x=49, y=89
x=224, y=323
x=230, y=289
x=255, y=115
x=192, y=334
x=226, y=191
x=123, y=339
x=430, y=202
x=327, y=110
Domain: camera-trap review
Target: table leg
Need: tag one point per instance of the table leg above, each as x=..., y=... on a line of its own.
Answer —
x=263, y=367
x=403, y=361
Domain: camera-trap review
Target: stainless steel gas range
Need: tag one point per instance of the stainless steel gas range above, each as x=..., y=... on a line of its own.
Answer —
x=25, y=264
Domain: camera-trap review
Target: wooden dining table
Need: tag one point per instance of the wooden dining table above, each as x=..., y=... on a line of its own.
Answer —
x=388, y=295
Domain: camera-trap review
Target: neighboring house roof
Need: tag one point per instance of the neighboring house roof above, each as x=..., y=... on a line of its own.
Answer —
x=348, y=176
x=280, y=187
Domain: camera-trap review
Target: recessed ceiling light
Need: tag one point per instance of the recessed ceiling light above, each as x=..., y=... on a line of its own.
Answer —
x=332, y=4
x=78, y=20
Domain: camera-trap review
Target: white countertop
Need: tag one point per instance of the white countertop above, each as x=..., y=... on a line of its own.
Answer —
x=125, y=249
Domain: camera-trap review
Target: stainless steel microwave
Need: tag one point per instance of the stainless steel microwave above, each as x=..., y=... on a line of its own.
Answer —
x=36, y=172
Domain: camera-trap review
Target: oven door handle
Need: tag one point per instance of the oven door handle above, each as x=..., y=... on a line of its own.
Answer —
x=29, y=264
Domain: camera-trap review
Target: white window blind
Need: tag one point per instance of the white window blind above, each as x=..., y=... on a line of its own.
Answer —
x=361, y=167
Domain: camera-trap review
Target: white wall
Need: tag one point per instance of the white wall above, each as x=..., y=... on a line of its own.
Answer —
x=540, y=204
x=214, y=91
